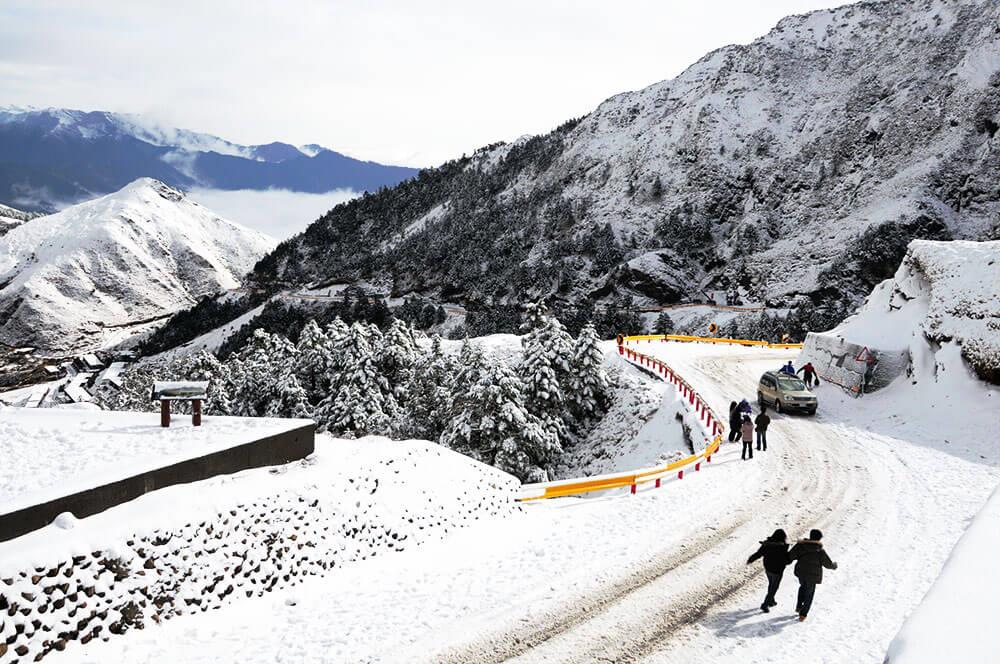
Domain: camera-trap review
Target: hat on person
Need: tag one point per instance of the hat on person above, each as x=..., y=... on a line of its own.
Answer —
x=815, y=534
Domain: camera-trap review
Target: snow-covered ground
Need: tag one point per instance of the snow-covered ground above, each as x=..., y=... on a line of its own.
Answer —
x=188, y=549
x=49, y=453
x=954, y=623
x=659, y=576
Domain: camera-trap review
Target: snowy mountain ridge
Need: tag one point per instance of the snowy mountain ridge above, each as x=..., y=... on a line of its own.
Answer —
x=86, y=276
x=55, y=155
x=792, y=171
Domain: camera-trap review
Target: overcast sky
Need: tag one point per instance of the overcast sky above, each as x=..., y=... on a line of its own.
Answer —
x=405, y=82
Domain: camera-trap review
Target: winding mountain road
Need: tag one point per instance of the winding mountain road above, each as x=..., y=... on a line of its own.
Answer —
x=873, y=496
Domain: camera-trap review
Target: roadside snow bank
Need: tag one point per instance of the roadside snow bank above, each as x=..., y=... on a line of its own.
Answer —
x=952, y=623
x=190, y=548
x=944, y=294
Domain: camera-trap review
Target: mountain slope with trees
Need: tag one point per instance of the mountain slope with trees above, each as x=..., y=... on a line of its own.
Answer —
x=791, y=171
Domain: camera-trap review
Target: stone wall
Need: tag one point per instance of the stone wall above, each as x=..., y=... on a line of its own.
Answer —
x=256, y=546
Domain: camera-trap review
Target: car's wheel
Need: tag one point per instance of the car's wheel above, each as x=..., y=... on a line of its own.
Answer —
x=812, y=411
x=777, y=405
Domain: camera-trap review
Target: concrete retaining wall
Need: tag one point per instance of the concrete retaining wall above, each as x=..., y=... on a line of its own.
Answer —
x=836, y=360
x=270, y=451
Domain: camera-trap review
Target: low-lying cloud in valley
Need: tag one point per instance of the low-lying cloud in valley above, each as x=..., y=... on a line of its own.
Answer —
x=278, y=212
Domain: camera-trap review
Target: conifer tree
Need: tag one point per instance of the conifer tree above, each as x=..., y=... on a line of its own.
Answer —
x=360, y=401
x=588, y=393
x=314, y=362
x=492, y=424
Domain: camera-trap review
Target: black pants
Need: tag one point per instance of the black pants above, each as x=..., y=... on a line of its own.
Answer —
x=734, y=432
x=809, y=378
x=773, y=581
x=806, y=591
x=762, y=440
x=747, y=448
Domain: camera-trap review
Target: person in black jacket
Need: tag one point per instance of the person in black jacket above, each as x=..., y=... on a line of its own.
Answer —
x=761, y=423
x=734, y=422
x=774, y=551
x=810, y=559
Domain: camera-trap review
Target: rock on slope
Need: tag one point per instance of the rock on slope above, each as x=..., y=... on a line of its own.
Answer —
x=87, y=275
x=792, y=170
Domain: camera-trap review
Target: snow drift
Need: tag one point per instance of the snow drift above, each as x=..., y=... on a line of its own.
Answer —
x=954, y=623
x=81, y=278
x=941, y=307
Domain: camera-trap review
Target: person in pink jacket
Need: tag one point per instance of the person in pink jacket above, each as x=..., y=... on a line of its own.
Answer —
x=746, y=429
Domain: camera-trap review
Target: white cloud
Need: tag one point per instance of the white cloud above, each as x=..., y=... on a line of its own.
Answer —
x=278, y=212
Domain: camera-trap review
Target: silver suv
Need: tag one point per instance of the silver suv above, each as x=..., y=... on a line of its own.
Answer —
x=785, y=393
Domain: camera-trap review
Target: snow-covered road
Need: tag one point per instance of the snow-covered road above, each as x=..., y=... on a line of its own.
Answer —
x=891, y=511
x=658, y=577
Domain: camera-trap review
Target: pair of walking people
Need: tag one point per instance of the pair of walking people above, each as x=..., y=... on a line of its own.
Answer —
x=810, y=559
x=746, y=430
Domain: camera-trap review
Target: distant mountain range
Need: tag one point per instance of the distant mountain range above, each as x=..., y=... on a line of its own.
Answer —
x=52, y=157
x=97, y=272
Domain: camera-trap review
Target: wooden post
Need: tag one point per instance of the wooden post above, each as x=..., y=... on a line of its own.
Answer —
x=164, y=413
x=196, y=412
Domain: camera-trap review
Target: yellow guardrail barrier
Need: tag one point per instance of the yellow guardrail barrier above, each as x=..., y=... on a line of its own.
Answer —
x=631, y=479
x=708, y=340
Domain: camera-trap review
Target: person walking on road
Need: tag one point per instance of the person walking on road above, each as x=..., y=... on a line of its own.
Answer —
x=762, y=423
x=746, y=429
x=809, y=374
x=734, y=422
x=810, y=559
x=774, y=551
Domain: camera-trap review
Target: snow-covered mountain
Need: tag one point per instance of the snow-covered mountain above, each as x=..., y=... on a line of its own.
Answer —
x=793, y=170
x=91, y=274
x=51, y=156
x=10, y=217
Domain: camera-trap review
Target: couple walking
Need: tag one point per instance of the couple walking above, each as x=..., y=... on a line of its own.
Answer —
x=810, y=559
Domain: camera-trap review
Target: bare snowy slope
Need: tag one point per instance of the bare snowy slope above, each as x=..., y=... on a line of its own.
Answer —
x=86, y=276
x=793, y=170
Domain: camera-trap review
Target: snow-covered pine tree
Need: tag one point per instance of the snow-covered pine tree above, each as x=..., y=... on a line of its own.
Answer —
x=336, y=330
x=314, y=362
x=360, y=401
x=266, y=361
x=396, y=356
x=430, y=393
x=664, y=324
x=493, y=425
x=203, y=365
x=545, y=369
x=588, y=393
